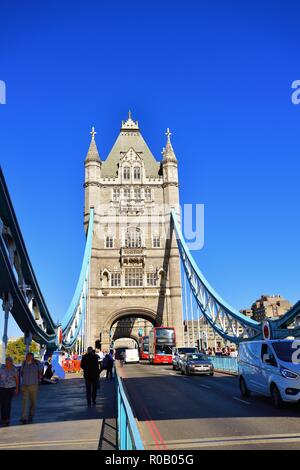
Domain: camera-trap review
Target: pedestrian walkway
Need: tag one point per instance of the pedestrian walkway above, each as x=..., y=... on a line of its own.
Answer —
x=63, y=421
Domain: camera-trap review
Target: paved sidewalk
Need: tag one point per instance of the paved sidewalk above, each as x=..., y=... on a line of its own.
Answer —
x=63, y=421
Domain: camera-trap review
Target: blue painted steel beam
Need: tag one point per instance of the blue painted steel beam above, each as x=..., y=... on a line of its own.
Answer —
x=20, y=310
x=8, y=283
x=278, y=327
x=71, y=312
x=128, y=434
x=9, y=218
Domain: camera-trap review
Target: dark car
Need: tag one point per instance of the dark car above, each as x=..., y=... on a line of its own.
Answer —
x=196, y=363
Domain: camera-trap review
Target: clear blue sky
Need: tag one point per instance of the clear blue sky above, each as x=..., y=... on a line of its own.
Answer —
x=217, y=73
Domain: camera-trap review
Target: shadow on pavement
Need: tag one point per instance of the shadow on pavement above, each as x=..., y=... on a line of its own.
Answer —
x=175, y=397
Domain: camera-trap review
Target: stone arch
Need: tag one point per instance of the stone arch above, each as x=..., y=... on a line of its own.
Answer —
x=134, y=337
x=113, y=323
x=134, y=312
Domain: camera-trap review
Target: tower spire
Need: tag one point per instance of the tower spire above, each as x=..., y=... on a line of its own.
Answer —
x=168, y=134
x=168, y=152
x=93, y=154
x=93, y=133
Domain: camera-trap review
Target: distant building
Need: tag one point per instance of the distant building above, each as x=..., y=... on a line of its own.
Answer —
x=268, y=306
x=200, y=333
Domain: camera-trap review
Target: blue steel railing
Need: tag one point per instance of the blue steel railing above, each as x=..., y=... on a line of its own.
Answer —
x=128, y=434
x=225, y=364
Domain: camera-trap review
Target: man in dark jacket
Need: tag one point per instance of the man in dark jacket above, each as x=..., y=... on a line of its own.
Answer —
x=110, y=364
x=90, y=366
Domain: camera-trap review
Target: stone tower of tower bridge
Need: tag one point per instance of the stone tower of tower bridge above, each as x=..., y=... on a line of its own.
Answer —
x=135, y=268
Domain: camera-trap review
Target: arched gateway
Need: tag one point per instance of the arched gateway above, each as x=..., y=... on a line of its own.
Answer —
x=135, y=269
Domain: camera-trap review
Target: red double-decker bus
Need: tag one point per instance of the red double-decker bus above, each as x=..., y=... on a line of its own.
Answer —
x=144, y=347
x=161, y=342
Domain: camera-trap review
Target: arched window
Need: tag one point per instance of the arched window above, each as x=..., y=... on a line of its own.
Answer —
x=148, y=194
x=116, y=194
x=126, y=193
x=136, y=173
x=104, y=277
x=133, y=238
x=137, y=193
x=126, y=173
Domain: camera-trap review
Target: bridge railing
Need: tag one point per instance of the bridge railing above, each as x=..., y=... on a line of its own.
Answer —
x=225, y=364
x=128, y=434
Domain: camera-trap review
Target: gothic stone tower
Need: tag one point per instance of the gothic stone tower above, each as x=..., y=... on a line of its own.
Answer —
x=135, y=269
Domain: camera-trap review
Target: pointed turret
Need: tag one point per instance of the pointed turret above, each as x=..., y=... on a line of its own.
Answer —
x=170, y=174
x=92, y=165
x=93, y=154
x=168, y=152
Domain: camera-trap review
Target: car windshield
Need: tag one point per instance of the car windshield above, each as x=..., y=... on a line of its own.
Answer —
x=285, y=350
x=196, y=357
x=186, y=350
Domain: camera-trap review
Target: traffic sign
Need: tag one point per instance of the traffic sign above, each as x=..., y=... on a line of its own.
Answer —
x=266, y=328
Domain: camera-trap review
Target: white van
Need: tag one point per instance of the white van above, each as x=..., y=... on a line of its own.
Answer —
x=270, y=368
x=131, y=355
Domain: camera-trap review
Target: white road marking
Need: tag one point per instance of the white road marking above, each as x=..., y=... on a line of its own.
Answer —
x=204, y=386
x=242, y=401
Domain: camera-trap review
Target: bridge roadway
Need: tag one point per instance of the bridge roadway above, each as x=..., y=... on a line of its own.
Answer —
x=202, y=412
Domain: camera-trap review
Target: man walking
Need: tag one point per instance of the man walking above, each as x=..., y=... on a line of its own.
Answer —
x=90, y=366
x=31, y=374
x=110, y=364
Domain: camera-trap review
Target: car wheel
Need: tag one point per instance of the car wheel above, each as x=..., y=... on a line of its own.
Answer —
x=276, y=397
x=243, y=388
x=211, y=373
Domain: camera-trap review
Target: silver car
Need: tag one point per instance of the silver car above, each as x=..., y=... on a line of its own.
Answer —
x=196, y=363
x=178, y=354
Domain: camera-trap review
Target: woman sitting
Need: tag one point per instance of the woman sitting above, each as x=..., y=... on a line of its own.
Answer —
x=48, y=374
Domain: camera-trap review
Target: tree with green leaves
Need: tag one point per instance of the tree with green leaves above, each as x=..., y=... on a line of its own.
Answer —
x=16, y=349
